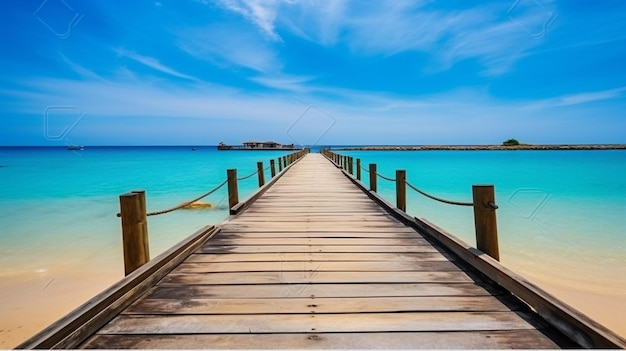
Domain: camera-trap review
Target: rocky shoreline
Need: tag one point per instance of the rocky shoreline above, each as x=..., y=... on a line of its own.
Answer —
x=485, y=147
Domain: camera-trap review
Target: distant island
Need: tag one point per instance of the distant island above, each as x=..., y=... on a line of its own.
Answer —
x=510, y=146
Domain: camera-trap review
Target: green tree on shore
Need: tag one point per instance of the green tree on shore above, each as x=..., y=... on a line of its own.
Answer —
x=511, y=142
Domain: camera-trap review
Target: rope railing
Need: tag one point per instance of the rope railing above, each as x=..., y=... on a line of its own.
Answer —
x=386, y=178
x=450, y=202
x=248, y=176
x=483, y=200
x=184, y=204
x=134, y=216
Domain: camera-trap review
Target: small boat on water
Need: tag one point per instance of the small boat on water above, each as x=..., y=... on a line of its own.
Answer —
x=257, y=145
x=76, y=147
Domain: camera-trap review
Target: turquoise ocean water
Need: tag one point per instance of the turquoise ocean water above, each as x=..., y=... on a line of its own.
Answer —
x=561, y=214
x=561, y=218
x=56, y=203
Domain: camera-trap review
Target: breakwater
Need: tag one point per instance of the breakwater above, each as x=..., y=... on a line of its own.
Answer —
x=485, y=147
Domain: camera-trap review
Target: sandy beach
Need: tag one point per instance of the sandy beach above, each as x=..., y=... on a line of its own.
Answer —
x=32, y=301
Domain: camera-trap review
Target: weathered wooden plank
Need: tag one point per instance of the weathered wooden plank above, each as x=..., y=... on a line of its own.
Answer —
x=313, y=277
x=311, y=234
x=315, y=323
x=317, y=256
x=221, y=241
x=368, y=220
x=317, y=266
x=507, y=339
x=315, y=248
x=317, y=305
x=290, y=229
x=277, y=225
x=283, y=291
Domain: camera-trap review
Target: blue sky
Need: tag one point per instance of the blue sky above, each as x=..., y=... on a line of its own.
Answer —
x=312, y=72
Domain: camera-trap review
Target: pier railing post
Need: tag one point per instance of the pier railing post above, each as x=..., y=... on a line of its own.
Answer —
x=401, y=189
x=358, y=169
x=351, y=165
x=272, y=168
x=233, y=192
x=261, y=173
x=485, y=220
x=373, y=177
x=284, y=161
x=134, y=230
x=280, y=165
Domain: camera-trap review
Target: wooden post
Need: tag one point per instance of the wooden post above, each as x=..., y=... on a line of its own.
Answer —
x=233, y=192
x=485, y=220
x=260, y=173
x=284, y=161
x=280, y=165
x=358, y=169
x=401, y=189
x=373, y=177
x=134, y=230
x=351, y=165
x=273, y=168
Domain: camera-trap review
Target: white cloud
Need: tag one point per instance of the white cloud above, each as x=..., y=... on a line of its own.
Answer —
x=582, y=98
x=462, y=116
x=492, y=34
x=575, y=99
x=289, y=83
x=80, y=70
x=228, y=45
x=154, y=64
x=261, y=13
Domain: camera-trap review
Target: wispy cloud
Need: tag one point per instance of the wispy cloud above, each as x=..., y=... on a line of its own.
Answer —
x=229, y=46
x=261, y=13
x=288, y=83
x=582, y=98
x=154, y=64
x=80, y=70
x=493, y=34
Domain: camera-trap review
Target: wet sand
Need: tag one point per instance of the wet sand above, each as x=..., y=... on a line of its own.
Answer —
x=32, y=301
x=606, y=309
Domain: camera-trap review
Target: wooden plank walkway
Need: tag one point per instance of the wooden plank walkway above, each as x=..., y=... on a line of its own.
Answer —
x=314, y=263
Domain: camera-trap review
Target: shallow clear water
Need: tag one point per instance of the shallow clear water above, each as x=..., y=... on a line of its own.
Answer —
x=59, y=206
x=561, y=214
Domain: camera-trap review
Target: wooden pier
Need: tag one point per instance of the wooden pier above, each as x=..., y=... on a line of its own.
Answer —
x=314, y=261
